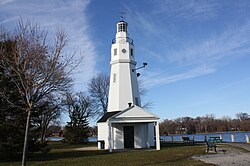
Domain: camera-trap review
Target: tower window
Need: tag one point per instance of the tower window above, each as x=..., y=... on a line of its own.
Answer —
x=131, y=52
x=114, y=78
x=115, y=51
x=122, y=27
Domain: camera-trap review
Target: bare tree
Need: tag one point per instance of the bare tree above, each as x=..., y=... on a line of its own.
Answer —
x=242, y=116
x=98, y=88
x=48, y=112
x=168, y=127
x=35, y=66
x=189, y=125
x=78, y=105
x=244, y=119
x=207, y=123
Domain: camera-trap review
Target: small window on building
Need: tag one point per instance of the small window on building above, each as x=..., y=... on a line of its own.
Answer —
x=136, y=101
x=114, y=78
x=115, y=51
x=131, y=52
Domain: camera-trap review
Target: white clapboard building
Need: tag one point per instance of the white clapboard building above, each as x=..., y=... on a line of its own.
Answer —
x=126, y=124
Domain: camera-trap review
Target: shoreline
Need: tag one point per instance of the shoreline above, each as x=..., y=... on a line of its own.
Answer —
x=223, y=132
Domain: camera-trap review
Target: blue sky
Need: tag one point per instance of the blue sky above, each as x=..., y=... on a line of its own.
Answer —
x=198, y=51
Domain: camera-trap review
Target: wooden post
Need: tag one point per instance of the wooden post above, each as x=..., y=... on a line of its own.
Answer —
x=110, y=137
x=157, y=137
x=148, y=144
x=247, y=139
x=232, y=137
x=99, y=145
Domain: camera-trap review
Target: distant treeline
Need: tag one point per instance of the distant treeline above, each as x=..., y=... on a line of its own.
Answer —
x=205, y=124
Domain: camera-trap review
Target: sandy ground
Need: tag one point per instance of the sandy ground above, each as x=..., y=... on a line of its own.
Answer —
x=86, y=148
x=229, y=155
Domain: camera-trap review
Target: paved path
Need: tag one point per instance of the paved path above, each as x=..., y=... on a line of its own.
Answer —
x=229, y=155
x=87, y=148
x=245, y=146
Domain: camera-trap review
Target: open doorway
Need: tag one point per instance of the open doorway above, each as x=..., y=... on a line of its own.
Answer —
x=128, y=136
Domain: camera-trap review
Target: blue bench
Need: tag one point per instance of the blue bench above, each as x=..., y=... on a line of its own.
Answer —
x=214, y=139
x=187, y=139
x=210, y=146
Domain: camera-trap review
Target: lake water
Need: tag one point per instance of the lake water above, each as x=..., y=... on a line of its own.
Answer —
x=226, y=136
x=91, y=139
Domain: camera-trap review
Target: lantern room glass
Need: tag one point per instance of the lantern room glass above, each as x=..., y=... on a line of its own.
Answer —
x=122, y=27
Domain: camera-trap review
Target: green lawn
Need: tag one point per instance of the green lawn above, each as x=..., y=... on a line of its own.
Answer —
x=63, y=155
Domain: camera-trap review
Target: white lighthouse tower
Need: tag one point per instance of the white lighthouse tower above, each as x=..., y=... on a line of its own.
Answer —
x=126, y=124
x=123, y=79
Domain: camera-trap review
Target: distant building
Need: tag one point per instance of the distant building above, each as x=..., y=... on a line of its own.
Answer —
x=126, y=124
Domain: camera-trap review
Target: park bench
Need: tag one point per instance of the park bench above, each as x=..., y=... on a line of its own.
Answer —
x=214, y=139
x=210, y=146
x=187, y=139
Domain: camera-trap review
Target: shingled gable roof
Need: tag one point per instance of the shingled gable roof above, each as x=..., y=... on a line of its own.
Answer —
x=135, y=112
x=107, y=115
x=131, y=112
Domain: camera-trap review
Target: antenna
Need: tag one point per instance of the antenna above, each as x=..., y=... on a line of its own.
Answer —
x=122, y=15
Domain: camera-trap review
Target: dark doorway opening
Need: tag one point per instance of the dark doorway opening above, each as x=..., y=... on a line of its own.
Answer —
x=128, y=136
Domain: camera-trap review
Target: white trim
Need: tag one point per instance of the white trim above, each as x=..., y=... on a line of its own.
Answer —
x=123, y=61
x=147, y=133
x=132, y=120
x=110, y=137
x=157, y=136
x=136, y=107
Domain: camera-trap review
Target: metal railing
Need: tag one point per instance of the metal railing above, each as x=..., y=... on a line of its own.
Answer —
x=127, y=39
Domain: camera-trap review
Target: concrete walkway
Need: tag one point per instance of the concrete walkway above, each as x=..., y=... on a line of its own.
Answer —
x=245, y=146
x=229, y=154
x=87, y=148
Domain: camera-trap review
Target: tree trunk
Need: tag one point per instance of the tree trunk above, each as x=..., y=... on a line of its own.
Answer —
x=44, y=130
x=42, y=135
x=25, y=145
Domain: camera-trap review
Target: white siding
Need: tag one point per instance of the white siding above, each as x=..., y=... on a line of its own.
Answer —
x=118, y=135
x=140, y=136
x=151, y=132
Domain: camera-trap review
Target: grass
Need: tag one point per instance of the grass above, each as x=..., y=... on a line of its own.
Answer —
x=63, y=155
x=55, y=146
